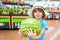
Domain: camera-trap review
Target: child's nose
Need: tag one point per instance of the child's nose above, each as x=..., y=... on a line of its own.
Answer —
x=38, y=13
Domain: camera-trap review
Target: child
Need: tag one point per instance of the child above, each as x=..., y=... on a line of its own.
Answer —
x=38, y=13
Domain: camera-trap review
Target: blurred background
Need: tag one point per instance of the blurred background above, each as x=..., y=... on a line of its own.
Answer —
x=13, y=12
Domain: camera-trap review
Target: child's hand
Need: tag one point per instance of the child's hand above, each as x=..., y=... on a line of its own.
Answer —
x=20, y=33
x=32, y=34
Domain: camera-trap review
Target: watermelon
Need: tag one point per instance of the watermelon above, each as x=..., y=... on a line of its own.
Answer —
x=32, y=23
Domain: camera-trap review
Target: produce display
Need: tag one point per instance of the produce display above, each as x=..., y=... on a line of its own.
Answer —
x=14, y=10
x=16, y=1
x=5, y=10
x=32, y=23
x=1, y=10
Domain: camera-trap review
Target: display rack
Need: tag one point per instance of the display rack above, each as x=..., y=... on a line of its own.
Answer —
x=16, y=3
x=55, y=11
x=54, y=15
x=14, y=20
x=19, y=3
x=5, y=22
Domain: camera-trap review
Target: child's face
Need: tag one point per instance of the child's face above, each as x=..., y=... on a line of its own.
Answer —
x=38, y=14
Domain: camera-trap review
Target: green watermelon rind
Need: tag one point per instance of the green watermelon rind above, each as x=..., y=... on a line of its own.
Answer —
x=24, y=26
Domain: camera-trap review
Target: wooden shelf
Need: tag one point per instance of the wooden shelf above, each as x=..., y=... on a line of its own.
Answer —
x=20, y=16
x=55, y=11
x=4, y=16
x=13, y=15
x=21, y=3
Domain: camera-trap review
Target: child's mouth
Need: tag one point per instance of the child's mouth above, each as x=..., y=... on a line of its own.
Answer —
x=38, y=16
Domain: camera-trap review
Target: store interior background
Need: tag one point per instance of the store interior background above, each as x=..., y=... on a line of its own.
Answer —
x=13, y=12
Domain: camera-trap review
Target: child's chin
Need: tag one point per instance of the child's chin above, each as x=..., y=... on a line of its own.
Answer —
x=38, y=17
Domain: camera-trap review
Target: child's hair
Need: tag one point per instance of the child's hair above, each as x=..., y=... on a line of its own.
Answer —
x=40, y=10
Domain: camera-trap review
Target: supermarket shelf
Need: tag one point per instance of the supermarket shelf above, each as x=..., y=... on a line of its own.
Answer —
x=15, y=3
x=13, y=15
x=55, y=11
x=53, y=17
x=20, y=16
x=4, y=15
x=9, y=28
x=16, y=18
x=4, y=20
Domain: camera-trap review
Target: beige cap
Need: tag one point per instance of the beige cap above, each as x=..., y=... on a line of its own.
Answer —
x=36, y=5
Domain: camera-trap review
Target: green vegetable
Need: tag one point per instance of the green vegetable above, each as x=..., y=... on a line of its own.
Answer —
x=32, y=23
